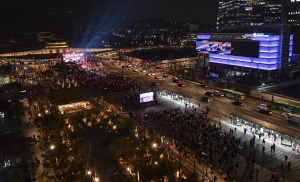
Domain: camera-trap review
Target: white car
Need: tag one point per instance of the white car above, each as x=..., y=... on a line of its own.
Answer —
x=285, y=115
x=218, y=94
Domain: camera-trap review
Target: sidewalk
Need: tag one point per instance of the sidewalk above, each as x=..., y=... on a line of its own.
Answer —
x=266, y=163
x=29, y=129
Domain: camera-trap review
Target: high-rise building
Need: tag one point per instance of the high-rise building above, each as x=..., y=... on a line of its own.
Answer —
x=264, y=51
x=250, y=12
x=293, y=18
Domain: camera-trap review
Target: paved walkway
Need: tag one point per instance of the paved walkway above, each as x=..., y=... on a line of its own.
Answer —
x=265, y=164
x=30, y=129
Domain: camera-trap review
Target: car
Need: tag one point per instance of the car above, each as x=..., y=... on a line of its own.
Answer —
x=203, y=85
x=286, y=115
x=238, y=103
x=136, y=70
x=218, y=94
x=265, y=106
x=206, y=99
x=157, y=77
x=155, y=84
x=263, y=111
x=209, y=94
x=181, y=85
x=176, y=81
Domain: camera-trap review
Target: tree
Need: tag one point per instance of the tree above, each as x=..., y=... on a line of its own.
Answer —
x=121, y=147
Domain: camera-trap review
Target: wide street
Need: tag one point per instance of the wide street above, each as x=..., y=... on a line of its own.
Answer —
x=221, y=107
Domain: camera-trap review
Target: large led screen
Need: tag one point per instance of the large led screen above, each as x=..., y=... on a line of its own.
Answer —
x=73, y=57
x=236, y=48
x=146, y=97
x=208, y=46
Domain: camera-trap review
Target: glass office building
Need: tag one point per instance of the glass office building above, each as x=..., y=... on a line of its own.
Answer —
x=250, y=12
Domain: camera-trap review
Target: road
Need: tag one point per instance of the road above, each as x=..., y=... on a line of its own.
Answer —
x=221, y=107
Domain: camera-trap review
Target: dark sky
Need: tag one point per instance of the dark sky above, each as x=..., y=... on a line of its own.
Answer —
x=34, y=14
x=174, y=10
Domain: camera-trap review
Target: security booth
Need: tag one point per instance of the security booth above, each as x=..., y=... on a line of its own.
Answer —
x=258, y=129
x=236, y=120
x=286, y=140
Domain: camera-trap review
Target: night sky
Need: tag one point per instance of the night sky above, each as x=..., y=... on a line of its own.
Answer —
x=173, y=10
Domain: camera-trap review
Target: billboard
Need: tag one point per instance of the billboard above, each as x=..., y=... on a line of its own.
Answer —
x=146, y=97
x=247, y=48
x=77, y=57
x=209, y=46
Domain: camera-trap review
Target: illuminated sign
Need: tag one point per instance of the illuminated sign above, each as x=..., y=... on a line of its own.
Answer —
x=255, y=35
x=203, y=36
x=209, y=46
x=259, y=35
x=248, y=8
x=146, y=97
x=73, y=57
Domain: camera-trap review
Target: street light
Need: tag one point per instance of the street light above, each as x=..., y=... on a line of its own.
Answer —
x=52, y=147
x=154, y=145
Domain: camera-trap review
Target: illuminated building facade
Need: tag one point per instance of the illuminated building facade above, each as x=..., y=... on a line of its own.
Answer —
x=263, y=49
x=294, y=20
x=250, y=12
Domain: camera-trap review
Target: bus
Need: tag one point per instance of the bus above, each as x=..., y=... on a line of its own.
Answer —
x=286, y=107
x=233, y=94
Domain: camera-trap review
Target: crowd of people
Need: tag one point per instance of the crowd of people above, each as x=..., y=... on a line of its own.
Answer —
x=111, y=83
x=205, y=139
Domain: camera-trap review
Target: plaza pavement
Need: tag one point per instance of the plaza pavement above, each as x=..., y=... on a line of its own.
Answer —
x=266, y=163
x=30, y=129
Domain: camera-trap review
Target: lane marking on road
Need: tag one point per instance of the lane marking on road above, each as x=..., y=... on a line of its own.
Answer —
x=294, y=128
x=268, y=119
x=248, y=112
x=254, y=103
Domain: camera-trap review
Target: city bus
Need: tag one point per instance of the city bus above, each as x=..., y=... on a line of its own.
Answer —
x=286, y=107
x=233, y=94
